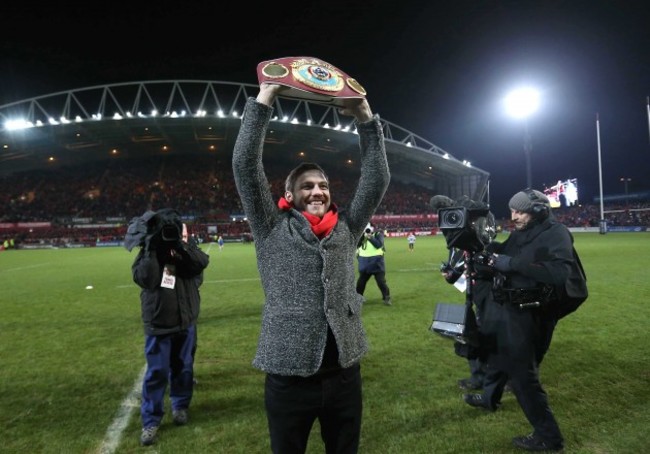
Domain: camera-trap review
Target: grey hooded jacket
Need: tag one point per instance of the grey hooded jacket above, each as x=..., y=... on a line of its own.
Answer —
x=308, y=283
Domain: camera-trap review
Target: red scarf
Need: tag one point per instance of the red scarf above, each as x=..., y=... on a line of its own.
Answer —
x=320, y=226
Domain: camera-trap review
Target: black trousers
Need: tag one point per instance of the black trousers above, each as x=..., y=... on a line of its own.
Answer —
x=476, y=371
x=294, y=403
x=523, y=376
x=381, y=283
x=524, y=380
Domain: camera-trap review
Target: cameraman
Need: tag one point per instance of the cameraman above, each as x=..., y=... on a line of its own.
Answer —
x=481, y=283
x=170, y=271
x=370, y=255
x=518, y=321
x=465, y=258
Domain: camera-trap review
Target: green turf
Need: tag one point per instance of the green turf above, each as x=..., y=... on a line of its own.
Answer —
x=70, y=356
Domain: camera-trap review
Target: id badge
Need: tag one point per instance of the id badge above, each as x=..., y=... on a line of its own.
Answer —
x=169, y=277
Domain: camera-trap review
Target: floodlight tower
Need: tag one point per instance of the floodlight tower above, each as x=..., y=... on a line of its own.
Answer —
x=521, y=104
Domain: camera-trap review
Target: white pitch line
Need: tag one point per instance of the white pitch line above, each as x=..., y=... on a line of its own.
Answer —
x=39, y=265
x=114, y=432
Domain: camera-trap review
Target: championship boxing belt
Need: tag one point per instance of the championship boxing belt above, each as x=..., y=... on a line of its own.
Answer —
x=311, y=79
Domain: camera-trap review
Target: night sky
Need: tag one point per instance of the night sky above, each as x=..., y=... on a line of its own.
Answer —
x=437, y=69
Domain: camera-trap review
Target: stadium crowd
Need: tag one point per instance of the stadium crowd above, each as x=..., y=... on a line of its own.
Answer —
x=94, y=202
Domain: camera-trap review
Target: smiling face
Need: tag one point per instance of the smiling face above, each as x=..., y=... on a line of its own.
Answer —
x=310, y=193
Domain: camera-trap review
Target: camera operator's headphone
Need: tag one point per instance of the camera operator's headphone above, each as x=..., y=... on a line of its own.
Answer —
x=540, y=207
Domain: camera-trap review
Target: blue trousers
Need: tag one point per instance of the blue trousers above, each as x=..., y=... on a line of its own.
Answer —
x=169, y=360
x=294, y=403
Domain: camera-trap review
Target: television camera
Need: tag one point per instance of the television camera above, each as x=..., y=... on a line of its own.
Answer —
x=162, y=228
x=466, y=224
x=468, y=227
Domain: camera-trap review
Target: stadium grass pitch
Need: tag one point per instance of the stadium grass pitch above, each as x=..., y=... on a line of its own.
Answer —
x=71, y=345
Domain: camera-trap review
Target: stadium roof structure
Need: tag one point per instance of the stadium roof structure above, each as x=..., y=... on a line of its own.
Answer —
x=196, y=116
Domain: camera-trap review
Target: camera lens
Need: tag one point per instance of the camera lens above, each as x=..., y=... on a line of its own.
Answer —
x=170, y=233
x=452, y=219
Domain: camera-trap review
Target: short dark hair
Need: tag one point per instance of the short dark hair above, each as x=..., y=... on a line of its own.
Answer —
x=290, y=182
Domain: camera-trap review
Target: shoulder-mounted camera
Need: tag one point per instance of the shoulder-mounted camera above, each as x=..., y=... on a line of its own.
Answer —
x=469, y=229
x=166, y=223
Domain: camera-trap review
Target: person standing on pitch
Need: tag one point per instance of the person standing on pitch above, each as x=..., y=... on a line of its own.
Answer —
x=169, y=270
x=312, y=338
x=519, y=314
x=411, y=240
x=370, y=255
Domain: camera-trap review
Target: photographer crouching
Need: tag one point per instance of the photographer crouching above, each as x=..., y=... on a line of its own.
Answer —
x=169, y=271
x=518, y=319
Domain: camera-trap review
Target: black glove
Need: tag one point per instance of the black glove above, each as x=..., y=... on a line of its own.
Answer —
x=451, y=273
x=501, y=262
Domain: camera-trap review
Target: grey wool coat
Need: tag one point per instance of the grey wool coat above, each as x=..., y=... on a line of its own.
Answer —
x=308, y=283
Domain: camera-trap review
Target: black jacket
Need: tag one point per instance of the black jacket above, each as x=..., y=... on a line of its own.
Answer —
x=541, y=254
x=169, y=310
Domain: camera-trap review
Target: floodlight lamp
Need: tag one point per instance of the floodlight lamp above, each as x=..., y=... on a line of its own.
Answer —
x=522, y=102
x=11, y=125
